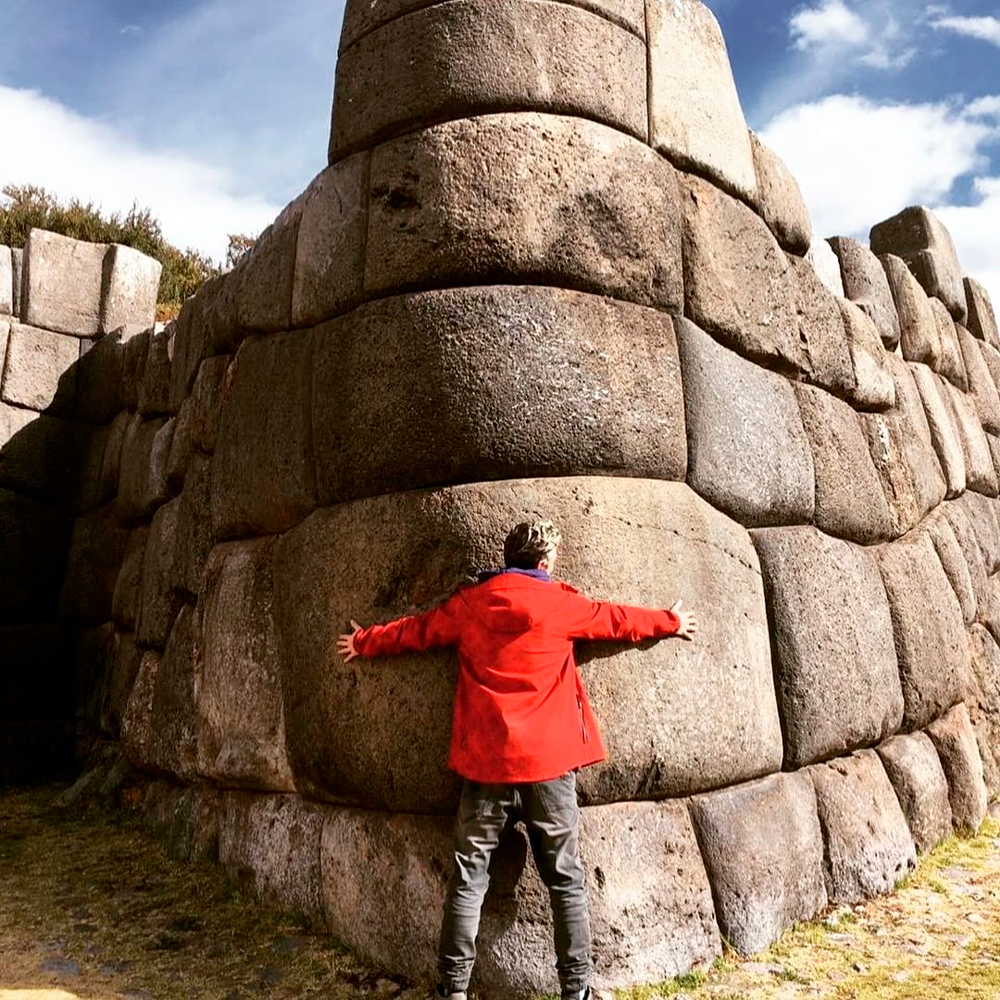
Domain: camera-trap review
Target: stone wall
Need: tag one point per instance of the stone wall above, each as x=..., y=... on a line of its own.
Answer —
x=549, y=271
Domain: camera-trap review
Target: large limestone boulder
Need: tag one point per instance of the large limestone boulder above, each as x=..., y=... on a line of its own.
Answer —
x=982, y=319
x=826, y=265
x=142, y=483
x=131, y=291
x=875, y=388
x=241, y=724
x=525, y=197
x=62, y=281
x=676, y=717
x=748, y=453
x=929, y=629
x=128, y=585
x=159, y=597
x=977, y=456
x=99, y=379
x=866, y=285
x=264, y=277
x=934, y=392
x=557, y=383
x=982, y=388
x=918, y=327
x=951, y=364
x=473, y=57
x=920, y=238
x=40, y=371
x=835, y=664
x=868, y=847
x=17, y=270
x=211, y=387
x=913, y=767
x=780, y=200
x=763, y=849
x=96, y=550
x=983, y=702
x=954, y=563
x=384, y=881
x=6, y=282
x=955, y=741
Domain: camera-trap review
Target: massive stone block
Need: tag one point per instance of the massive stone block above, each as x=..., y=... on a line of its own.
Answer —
x=953, y=562
x=694, y=110
x=929, y=629
x=33, y=543
x=557, y=383
x=983, y=702
x=982, y=319
x=6, y=282
x=658, y=706
x=133, y=362
x=869, y=849
x=849, y=501
x=265, y=275
x=835, y=670
x=952, y=364
x=955, y=742
x=159, y=599
x=763, y=849
x=96, y=550
x=142, y=483
x=980, y=471
x=919, y=237
x=982, y=514
x=525, y=197
x=981, y=385
x=934, y=392
x=780, y=200
x=263, y=478
x=99, y=380
x=826, y=265
x=125, y=660
x=131, y=291
x=40, y=371
x=875, y=388
x=211, y=387
x=866, y=285
x=128, y=586
x=330, y=254
x=62, y=281
x=271, y=843
x=918, y=328
x=17, y=270
x=241, y=723
x=194, y=526
x=913, y=767
x=384, y=879
x=748, y=452
x=740, y=286
x=472, y=57
x=153, y=393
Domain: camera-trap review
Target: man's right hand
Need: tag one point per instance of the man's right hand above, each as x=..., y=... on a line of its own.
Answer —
x=689, y=622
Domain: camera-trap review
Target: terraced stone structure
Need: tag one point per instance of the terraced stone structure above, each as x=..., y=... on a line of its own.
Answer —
x=548, y=271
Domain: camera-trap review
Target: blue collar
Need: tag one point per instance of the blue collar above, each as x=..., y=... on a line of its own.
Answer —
x=535, y=574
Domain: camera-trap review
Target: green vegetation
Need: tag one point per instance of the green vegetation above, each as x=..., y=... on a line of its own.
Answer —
x=27, y=207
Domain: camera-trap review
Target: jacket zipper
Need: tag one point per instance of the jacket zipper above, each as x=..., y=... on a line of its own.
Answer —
x=583, y=721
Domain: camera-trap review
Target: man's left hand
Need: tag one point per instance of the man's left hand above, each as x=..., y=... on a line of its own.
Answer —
x=345, y=644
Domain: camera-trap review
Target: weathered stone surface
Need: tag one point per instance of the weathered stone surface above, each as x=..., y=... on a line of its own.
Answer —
x=137, y=722
x=384, y=879
x=216, y=309
x=154, y=386
x=875, y=388
x=952, y=364
x=694, y=110
x=241, y=723
x=525, y=197
x=913, y=767
x=17, y=270
x=61, y=283
x=211, y=386
x=33, y=543
x=991, y=356
x=849, y=499
x=6, y=282
x=965, y=535
x=362, y=16
x=472, y=57
x=919, y=237
x=826, y=265
x=982, y=319
x=142, y=484
x=763, y=850
x=125, y=660
x=980, y=472
x=96, y=551
x=918, y=328
x=263, y=477
x=934, y=392
x=128, y=586
x=869, y=849
x=271, y=844
x=99, y=379
x=929, y=629
x=186, y=819
x=981, y=385
x=181, y=446
x=4, y=337
x=983, y=702
x=265, y=275
x=953, y=562
x=131, y=291
x=187, y=348
x=780, y=200
x=903, y=452
x=194, y=526
x=955, y=742
x=111, y=458
x=656, y=726
x=866, y=285
x=827, y=606
x=748, y=452
x=982, y=514
x=559, y=383
x=330, y=255
x=40, y=371
x=133, y=362
x=159, y=601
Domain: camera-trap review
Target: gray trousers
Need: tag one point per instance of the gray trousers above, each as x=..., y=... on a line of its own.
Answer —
x=549, y=811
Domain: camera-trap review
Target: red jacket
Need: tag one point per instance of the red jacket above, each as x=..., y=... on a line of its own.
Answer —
x=521, y=712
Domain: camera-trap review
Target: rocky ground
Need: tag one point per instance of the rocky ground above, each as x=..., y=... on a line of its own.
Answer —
x=91, y=908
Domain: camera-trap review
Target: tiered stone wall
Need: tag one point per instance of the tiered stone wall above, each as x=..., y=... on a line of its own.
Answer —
x=65, y=309
x=550, y=272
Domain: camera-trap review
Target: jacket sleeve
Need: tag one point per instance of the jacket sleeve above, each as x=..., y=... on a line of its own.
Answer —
x=412, y=634
x=602, y=620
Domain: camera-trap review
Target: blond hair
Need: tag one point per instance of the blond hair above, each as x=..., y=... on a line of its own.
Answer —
x=529, y=543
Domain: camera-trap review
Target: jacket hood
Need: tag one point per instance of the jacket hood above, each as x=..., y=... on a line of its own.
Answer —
x=513, y=603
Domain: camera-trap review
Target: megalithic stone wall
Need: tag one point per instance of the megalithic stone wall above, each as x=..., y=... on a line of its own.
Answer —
x=550, y=272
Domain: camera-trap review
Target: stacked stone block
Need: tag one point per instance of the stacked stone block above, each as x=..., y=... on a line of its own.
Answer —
x=549, y=272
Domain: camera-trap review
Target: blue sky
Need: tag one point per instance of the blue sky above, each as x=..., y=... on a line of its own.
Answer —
x=216, y=112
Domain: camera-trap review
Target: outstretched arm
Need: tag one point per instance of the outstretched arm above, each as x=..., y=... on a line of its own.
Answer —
x=603, y=620
x=412, y=634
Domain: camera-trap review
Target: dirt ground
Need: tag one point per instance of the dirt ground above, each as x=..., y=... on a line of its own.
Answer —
x=90, y=907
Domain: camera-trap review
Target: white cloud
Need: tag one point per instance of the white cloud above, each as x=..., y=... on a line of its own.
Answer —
x=984, y=107
x=832, y=23
x=75, y=156
x=985, y=28
x=858, y=161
